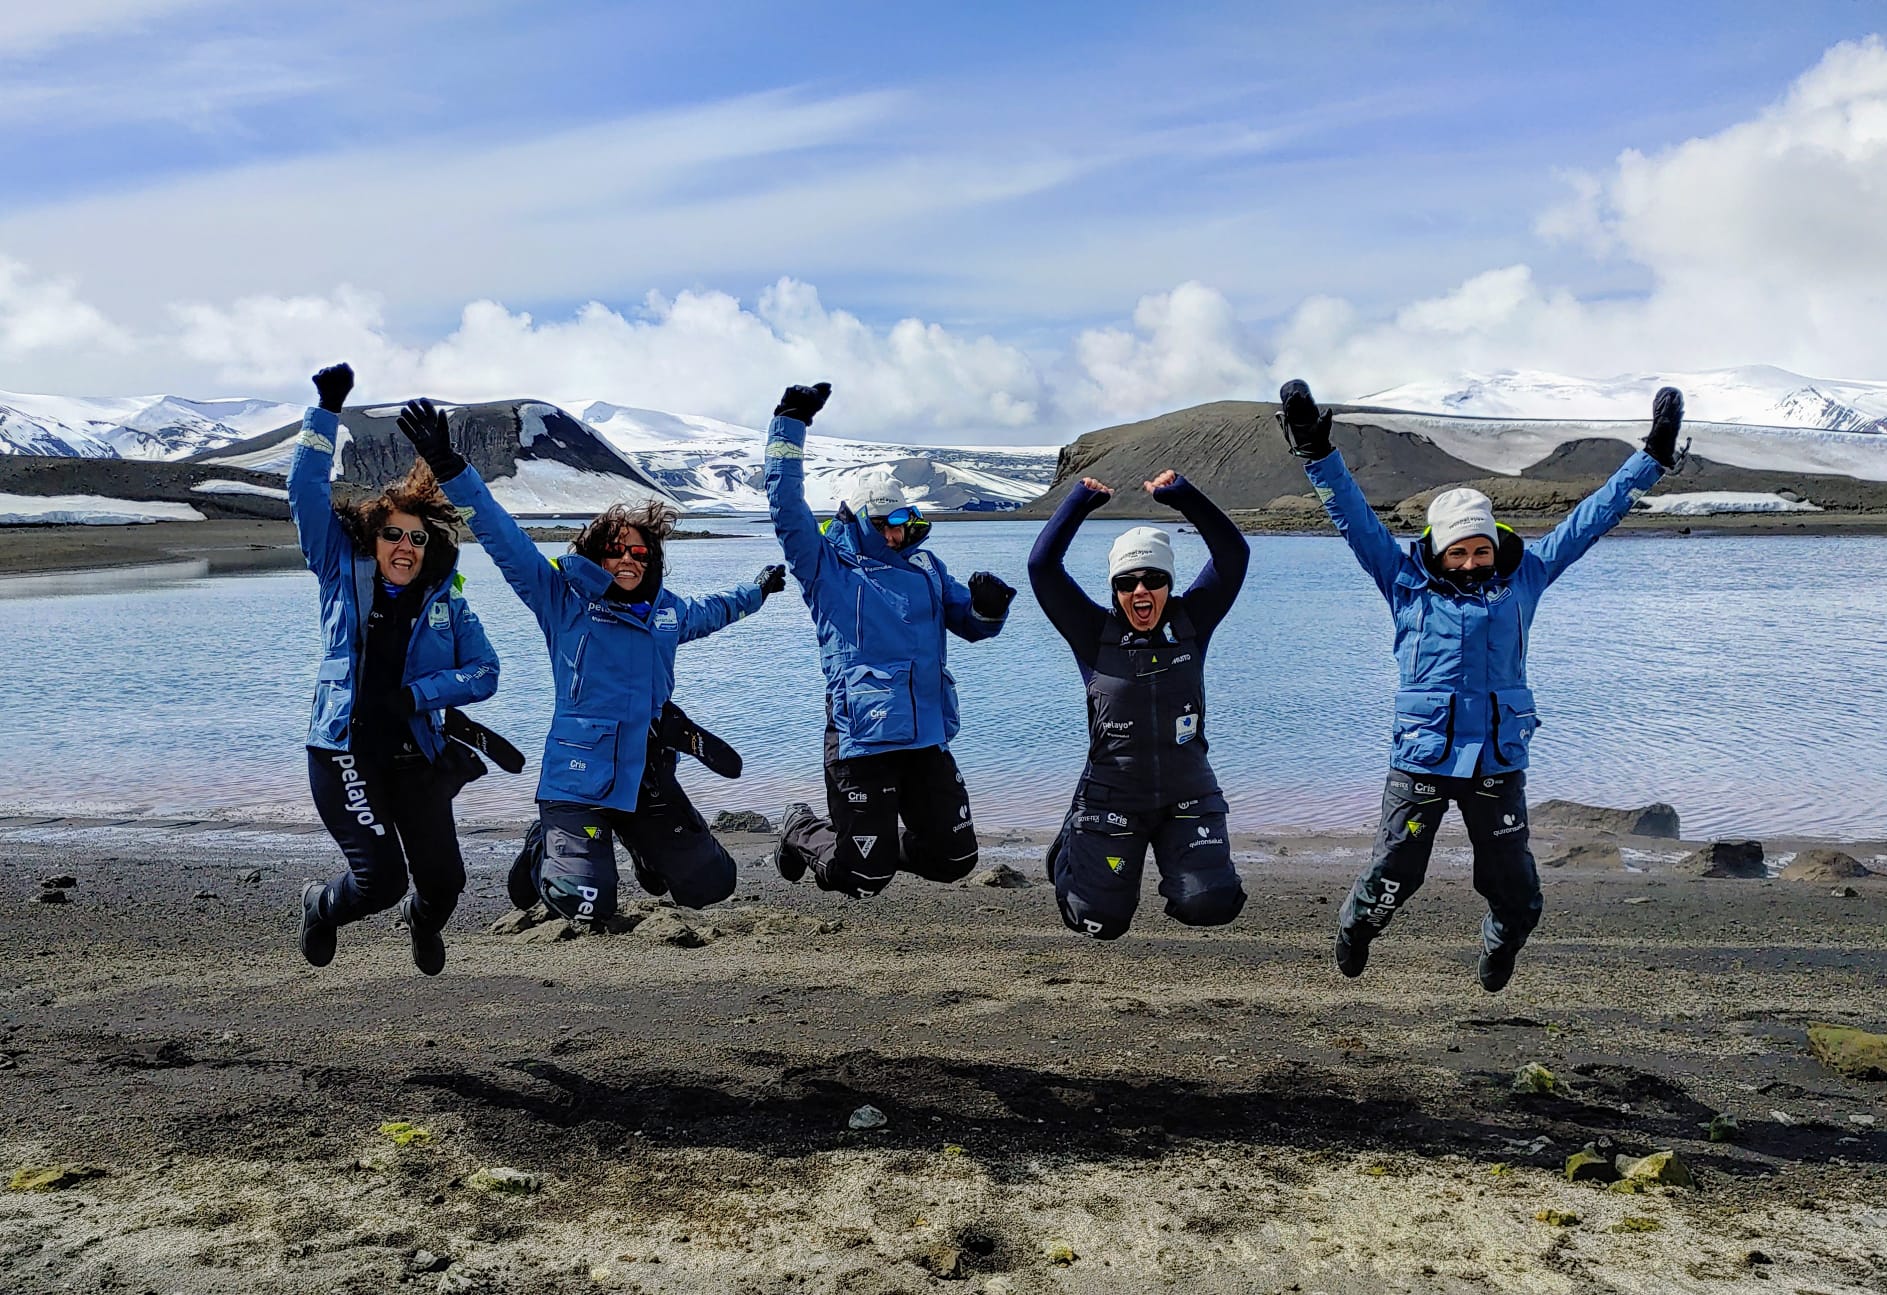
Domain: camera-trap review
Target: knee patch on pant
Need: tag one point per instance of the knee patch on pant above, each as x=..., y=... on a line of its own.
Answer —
x=704, y=880
x=936, y=864
x=1210, y=906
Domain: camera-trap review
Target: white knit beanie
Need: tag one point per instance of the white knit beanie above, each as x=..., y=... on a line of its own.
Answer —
x=1456, y=514
x=1144, y=548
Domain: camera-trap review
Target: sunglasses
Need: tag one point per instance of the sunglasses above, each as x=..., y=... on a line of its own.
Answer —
x=394, y=534
x=899, y=517
x=1128, y=581
x=635, y=552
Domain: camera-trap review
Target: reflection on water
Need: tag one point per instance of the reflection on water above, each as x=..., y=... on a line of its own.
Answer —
x=1738, y=678
x=103, y=580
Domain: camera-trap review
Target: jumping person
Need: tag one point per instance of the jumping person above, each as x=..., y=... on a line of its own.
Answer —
x=1147, y=781
x=401, y=645
x=1463, y=596
x=881, y=607
x=612, y=627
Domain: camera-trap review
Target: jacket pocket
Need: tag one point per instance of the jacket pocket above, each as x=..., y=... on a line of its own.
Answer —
x=952, y=717
x=580, y=757
x=1423, y=719
x=878, y=706
x=1514, y=723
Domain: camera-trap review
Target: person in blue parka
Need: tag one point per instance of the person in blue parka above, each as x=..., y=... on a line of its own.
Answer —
x=881, y=607
x=400, y=645
x=612, y=628
x=1463, y=596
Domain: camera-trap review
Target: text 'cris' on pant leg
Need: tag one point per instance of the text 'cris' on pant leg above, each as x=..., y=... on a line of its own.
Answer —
x=578, y=875
x=1097, y=878
x=863, y=798
x=1412, y=809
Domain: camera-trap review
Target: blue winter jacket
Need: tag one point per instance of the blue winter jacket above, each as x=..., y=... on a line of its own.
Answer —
x=1464, y=706
x=613, y=669
x=880, y=614
x=449, y=661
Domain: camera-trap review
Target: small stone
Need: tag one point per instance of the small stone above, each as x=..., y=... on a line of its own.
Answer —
x=1534, y=1078
x=1557, y=1218
x=742, y=820
x=945, y=1262
x=251, y=877
x=666, y=928
x=51, y=897
x=425, y=1261
x=1636, y=1223
x=1589, y=1164
x=501, y=1181
x=1845, y=892
x=1742, y=859
x=64, y=881
x=1848, y=1051
x=50, y=1178
x=1639, y=899
x=867, y=1117
x=518, y=920
x=549, y=933
x=206, y=894
x=1723, y=1128
x=1665, y=1167
x=457, y=1281
x=1586, y=854
x=1865, y=1121
x=1059, y=1252
x=1002, y=877
x=1756, y=1259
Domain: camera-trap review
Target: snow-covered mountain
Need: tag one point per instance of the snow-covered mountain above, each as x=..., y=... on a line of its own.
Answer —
x=709, y=465
x=1760, y=395
x=130, y=427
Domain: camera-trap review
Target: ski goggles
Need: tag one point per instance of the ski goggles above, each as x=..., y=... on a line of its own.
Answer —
x=394, y=534
x=634, y=552
x=1128, y=581
x=899, y=517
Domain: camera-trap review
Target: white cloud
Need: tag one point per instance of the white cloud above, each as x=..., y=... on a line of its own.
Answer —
x=30, y=26
x=39, y=315
x=1762, y=243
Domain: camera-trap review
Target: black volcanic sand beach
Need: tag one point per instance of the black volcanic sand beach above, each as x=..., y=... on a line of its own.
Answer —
x=1189, y=1110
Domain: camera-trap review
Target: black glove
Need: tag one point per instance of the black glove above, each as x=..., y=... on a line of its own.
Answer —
x=425, y=426
x=771, y=580
x=332, y=385
x=989, y=596
x=1305, y=426
x=803, y=402
x=1667, y=417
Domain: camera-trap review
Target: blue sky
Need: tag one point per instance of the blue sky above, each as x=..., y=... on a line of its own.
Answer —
x=1017, y=173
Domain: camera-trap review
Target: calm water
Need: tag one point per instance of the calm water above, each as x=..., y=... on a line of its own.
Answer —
x=1743, y=680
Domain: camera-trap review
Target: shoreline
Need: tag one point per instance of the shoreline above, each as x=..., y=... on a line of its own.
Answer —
x=238, y=546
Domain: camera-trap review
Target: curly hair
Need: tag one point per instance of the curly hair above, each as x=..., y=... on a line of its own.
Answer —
x=417, y=493
x=654, y=519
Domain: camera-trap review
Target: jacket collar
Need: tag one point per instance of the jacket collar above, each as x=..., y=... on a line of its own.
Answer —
x=1508, y=550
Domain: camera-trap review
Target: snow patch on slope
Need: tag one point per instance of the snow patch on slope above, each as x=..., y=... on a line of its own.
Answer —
x=1704, y=503
x=88, y=510
x=223, y=486
x=548, y=488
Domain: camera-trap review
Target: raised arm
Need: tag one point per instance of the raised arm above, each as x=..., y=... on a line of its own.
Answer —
x=808, y=556
x=1228, y=554
x=474, y=675
x=1075, y=616
x=709, y=613
x=508, y=544
x=324, y=541
x=1307, y=429
x=1605, y=507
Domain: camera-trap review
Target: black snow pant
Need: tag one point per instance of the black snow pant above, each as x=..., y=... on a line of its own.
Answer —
x=387, y=816
x=1097, y=861
x=857, y=848
x=1494, y=809
x=669, y=845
